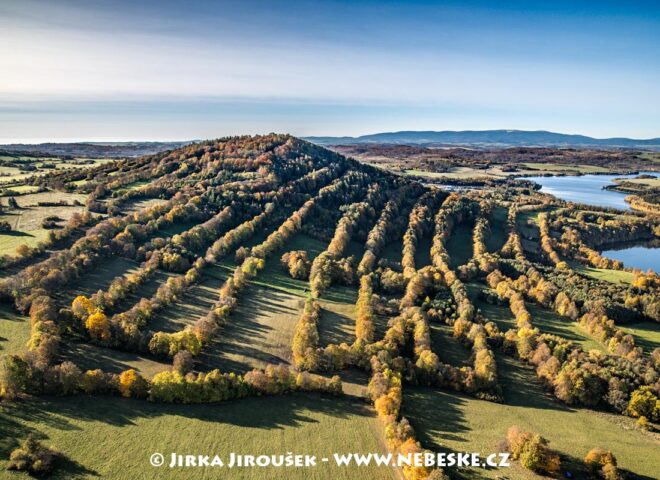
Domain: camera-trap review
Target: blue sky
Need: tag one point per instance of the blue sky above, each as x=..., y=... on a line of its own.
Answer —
x=158, y=70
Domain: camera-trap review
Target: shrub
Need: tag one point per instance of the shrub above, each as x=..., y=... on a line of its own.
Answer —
x=131, y=384
x=169, y=344
x=532, y=451
x=392, y=282
x=644, y=403
x=98, y=326
x=602, y=464
x=33, y=457
x=183, y=362
x=14, y=376
x=297, y=264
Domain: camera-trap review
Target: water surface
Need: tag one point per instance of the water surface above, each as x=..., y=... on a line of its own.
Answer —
x=586, y=189
x=642, y=257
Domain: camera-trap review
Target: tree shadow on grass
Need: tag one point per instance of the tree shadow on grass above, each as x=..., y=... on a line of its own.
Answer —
x=335, y=328
x=14, y=432
x=193, y=304
x=459, y=245
x=423, y=251
x=146, y=290
x=17, y=233
x=340, y=294
x=522, y=388
x=262, y=413
x=550, y=322
x=251, y=338
x=90, y=357
x=67, y=468
x=447, y=347
x=381, y=325
x=8, y=314
x=496, y=238
x=275, y=277
x=79, y=413
x=393, y=251
x=436, y=415
x=645, y=333
x=439, y=413
x=98, y=278
x=577, y=470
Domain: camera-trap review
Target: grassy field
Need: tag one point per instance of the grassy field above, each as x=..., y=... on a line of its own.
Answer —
x=146, y=290
x=527, y=225
x=10, y=241
x=497, y=236
x=11, y=174
x=91, y=357
x=448, y=421
x=200, y=297
x=613, y=276
x=337, y=322
x=261, y=329
x=459, y=245
x=133, y=185
x=14, y=331
x=527, y=221
x=526, y=168
x=26, y=221
x=193, y=304
x=448, y=349
x=650, y=156
x=175, y=228
x=138, y=204
x=259, y=332
x=393, y=251
x=556, y=167
x=19, y=189
x=425, y=173
x=114, y=438
x=99, y=278
x=547, y=321
x=457, y=173
x=650, y=182
x=32, y=199
x=647, y=334
x=423, y=252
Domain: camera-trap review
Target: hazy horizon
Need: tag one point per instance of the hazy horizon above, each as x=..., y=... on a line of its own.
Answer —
x=175, y=140
x=153, y=71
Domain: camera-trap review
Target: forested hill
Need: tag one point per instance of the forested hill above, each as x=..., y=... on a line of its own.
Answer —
x=504, y=138
x=259, y=266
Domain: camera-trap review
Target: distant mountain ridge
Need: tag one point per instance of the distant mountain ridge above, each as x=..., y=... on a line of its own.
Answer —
x=492, y=138
x=93, y=149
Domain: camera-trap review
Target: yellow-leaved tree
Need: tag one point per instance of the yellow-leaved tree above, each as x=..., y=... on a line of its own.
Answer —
x=82, y=307
x=131, y=384
x=98, y=326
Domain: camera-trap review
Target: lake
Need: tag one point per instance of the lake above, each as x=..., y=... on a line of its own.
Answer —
x=642, y=257
x=586, y=189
